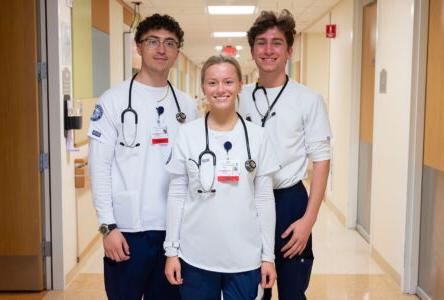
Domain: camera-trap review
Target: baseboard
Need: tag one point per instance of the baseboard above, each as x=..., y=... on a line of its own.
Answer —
x=421, y=294
x=89, y=249
x=385, y=266
x=363, y=232
x=339, y=215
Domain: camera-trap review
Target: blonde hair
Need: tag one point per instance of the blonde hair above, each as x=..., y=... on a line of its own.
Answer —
x=220, y=59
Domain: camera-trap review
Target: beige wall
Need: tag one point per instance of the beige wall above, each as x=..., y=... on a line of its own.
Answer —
x=61, y=166
x=82, y=48
x=391, y=124
x=316, y=62
x=340, y=102
x=116, y=29
x=391, y=130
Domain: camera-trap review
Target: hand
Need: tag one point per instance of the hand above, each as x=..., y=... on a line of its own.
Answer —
x=116, y=247
x=300, y=231
x=172, y=270
x=268, y=274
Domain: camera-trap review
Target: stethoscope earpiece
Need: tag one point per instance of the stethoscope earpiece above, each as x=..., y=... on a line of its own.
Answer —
x=268, y=113
x=180, y=116
x=211, y=191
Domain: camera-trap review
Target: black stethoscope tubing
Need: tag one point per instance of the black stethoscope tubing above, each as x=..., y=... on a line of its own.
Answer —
x=270, y=107
x=208, y=151
x=250, y=164
x=180, y=116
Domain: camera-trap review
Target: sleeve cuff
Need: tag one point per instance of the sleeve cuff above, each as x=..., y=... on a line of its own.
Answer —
x=268, y=258
x=171, y=248
x=107, y=219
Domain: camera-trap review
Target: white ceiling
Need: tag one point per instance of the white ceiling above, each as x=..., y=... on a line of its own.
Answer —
x=198, y=24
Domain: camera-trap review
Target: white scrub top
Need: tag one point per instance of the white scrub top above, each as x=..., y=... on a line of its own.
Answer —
x=139, y=179
x=298, y=126
x=220, y=231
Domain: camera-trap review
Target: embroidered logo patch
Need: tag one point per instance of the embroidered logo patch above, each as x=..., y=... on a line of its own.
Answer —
x=97, y=114
x=96, y=133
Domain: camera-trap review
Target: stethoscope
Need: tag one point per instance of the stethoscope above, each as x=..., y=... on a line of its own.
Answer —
x=180, y=116
x=268, y=114
x=250, y=164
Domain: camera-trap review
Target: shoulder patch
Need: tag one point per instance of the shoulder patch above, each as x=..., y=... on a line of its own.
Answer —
x=96, y=133
x=97, y=114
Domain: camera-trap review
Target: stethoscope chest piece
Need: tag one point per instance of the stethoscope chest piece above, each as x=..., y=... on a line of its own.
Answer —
x=181, y=117
x=250, y=165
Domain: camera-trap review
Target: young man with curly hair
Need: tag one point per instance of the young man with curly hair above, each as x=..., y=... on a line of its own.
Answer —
x=298, y=126
x=131, y=132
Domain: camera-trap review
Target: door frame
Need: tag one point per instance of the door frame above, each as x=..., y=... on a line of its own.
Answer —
x=56, y=10
x=44, y=142
x=409, y=276
x=352, y=207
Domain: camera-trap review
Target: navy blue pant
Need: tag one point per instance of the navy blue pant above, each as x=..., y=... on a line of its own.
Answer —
x=293, y=275
x=143, y=274
x=201, y=284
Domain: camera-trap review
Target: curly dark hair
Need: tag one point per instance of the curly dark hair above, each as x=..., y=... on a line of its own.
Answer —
x=269, y=19
x=156, y=22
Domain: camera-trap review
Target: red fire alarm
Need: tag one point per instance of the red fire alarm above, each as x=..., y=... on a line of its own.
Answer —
x=330, y=31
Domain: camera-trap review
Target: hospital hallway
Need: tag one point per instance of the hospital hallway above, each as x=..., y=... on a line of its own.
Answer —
x=376, y=66
x=343, y=269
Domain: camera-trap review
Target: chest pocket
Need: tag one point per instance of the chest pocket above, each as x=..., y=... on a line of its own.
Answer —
x=197, y=177
x=129, y=162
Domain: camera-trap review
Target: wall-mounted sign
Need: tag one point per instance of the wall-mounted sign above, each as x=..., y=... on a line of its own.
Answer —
x=229, y=50
x=330, y=31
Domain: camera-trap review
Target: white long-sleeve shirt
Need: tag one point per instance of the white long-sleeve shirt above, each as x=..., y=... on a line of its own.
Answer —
x=231, y=230
x=298, y=127
x=130, y=184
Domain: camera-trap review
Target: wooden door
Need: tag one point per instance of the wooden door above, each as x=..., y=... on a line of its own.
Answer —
x=366, y=118
x=21, y=262
x=431, y=258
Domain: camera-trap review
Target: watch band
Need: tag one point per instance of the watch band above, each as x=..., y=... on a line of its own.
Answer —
x=105, y=229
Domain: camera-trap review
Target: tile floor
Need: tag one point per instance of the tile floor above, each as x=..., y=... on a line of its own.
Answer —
x=343, y=270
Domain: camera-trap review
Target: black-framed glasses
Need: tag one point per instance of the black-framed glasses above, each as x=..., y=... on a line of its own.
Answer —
x=153, y=43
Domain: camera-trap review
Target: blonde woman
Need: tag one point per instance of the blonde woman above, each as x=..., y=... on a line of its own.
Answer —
x=220, y=212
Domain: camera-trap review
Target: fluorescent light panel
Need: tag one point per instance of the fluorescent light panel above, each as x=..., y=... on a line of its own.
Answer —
x=231, y=9
x=229, y=34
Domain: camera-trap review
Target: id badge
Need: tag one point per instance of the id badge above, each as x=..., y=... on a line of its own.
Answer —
x=159, y=135
x=228, y=171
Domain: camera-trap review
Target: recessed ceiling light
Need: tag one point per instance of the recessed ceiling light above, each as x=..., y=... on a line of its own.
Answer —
x=218, y=48
x=231, y=10
x=229, y=34
x=237, y=55
x=239, y=47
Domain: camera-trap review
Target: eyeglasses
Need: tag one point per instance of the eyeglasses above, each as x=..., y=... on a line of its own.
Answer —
x=153, y=43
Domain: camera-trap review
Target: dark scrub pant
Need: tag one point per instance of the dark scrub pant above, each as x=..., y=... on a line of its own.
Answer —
x=293, y=275
x=201, y=284
x=143, y=274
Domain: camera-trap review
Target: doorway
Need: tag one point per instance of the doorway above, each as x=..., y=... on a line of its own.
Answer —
x=366, y=119
x=22, y=208
x=431, y=249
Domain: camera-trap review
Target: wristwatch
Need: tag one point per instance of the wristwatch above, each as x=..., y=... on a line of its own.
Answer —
x=105, y=229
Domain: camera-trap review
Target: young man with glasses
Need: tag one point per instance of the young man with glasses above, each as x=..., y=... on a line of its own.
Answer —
x=131, y=132
x=298, y=126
